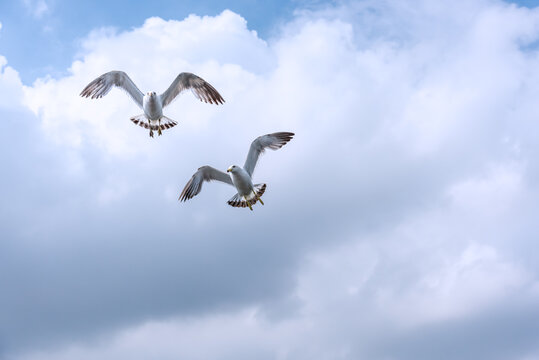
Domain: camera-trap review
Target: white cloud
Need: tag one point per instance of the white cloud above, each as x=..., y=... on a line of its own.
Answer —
x=452, y=253
x=37, y=8
x=410, y=189
x=195, y=44
x=475, y=280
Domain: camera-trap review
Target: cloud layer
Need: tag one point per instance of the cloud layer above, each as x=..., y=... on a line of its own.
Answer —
x=399, y=223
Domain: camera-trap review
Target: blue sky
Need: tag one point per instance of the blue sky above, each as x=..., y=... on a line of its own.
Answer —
x=400, y=222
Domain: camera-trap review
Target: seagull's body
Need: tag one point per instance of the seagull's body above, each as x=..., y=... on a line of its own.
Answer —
x=152, y=106
x=241, y=178
x=151, y=103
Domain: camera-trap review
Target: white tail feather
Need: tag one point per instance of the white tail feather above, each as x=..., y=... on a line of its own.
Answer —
x=142, y=120
x=239, y=201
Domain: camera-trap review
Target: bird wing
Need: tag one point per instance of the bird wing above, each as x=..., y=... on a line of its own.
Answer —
x=205, y=173
x=273, y=141
x=102, y=85
x=201, y=89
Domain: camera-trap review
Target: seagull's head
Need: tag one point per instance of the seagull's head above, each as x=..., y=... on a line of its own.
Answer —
x=232, y=169
x=151, y=93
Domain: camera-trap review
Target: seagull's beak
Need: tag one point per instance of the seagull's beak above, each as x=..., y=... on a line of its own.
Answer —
x=229, y=169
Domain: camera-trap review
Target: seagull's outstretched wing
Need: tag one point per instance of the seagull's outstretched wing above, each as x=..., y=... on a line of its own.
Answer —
x=273, y=141
x=202, y=89
x=205, y=173
x=102, y=85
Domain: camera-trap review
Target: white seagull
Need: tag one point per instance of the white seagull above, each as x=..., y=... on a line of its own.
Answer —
x=248, y=194
x=151, y=103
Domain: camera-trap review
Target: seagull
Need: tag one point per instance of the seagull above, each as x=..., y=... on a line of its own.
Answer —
x=248, y=194
x=151, y=103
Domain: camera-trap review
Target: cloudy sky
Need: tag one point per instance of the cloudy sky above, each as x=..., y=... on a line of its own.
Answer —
x=400, y=222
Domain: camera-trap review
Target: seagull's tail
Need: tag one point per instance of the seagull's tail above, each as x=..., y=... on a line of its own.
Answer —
x=142, y=120
x=238, y=200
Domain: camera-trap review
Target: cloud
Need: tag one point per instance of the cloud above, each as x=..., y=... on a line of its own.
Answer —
x=339, y=318
x=403, y=209
x=195, y=44
x=10, y=86
x=37, y=8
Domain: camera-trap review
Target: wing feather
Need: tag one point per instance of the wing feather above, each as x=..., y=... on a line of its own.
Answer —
x=200, y=88
x=260, y=144
x=205, y=173
x=102, y=85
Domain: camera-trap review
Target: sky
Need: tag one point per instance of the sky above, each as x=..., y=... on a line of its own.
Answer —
x=399, y=223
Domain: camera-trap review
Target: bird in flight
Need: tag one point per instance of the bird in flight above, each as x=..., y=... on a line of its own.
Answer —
x=241, y=178
x=151, y=103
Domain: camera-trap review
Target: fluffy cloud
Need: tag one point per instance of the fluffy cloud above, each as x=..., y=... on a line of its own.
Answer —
x=403, y=210
x=167, y=48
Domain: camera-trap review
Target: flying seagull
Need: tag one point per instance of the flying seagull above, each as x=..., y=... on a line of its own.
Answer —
x=151, y=103
x=248, y=194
